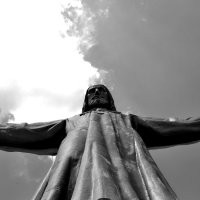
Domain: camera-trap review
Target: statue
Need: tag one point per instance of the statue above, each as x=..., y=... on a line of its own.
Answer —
x=101, y=153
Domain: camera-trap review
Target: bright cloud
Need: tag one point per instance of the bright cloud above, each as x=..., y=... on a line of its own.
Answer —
x=38, y=63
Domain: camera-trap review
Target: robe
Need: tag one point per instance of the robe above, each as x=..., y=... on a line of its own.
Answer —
x=100, y=154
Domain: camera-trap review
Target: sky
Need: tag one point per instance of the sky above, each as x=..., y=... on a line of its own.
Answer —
x=146, y=52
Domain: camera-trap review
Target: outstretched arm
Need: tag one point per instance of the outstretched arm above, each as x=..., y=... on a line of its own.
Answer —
x=163, y=133
x=39, y=138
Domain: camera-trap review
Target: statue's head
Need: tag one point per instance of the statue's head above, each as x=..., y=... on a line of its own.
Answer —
x=98, y=96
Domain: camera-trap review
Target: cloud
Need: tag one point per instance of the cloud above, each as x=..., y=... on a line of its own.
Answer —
x=40, y=69
x=147, y=48
x=10, y=96
x=10, y=99
x=80, y=23
x=6, y=116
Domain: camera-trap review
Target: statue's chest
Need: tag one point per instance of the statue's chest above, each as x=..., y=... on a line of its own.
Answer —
x=97, y=129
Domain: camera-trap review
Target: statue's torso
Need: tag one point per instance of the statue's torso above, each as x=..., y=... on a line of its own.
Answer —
x=103, y=156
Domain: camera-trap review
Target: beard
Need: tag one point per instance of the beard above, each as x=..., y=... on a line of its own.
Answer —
x=98, y=102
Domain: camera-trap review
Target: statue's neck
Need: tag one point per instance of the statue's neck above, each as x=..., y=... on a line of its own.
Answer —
x=98, y=109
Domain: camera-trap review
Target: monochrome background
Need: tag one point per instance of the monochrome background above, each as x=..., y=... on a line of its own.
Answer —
x=146, y=52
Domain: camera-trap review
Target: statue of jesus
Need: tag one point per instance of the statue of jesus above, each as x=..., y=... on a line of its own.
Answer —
x=101, y=153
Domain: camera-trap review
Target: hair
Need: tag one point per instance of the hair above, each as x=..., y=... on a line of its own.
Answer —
x=111, y=100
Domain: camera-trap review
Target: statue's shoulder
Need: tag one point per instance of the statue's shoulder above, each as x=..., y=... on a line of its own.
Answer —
x=74, y=118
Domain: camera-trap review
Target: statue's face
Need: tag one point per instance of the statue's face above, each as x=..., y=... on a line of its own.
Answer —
x=97, y=97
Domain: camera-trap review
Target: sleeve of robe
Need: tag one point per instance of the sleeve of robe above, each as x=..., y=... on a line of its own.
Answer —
x=38, y=138
x=158, y=133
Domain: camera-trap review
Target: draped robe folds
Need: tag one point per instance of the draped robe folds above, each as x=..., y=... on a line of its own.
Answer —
x=99, y=154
